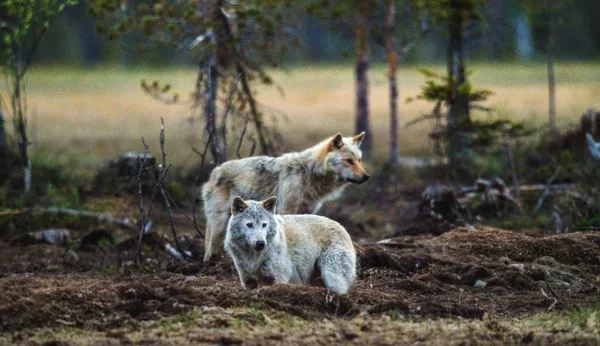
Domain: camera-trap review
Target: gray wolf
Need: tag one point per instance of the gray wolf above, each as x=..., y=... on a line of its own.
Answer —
x=277, y=249
x=301, y=181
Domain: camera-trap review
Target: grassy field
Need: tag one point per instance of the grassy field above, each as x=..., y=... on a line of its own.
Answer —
x=99, y=113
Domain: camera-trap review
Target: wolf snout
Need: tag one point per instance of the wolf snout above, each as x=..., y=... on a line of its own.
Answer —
x=365, y=177
x=260, y=245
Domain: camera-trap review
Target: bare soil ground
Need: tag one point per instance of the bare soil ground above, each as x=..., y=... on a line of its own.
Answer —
x=486, y=286
x=96, y=296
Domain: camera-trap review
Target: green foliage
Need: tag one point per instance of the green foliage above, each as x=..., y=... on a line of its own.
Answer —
x=67, y=197
x=176, y=190
x=24, y=23
x=54, y=184
x=525, y=223
x=108, y=269
x=438, y=87
x=257, y=24
x=485, y=134
x=234, y=42
x=443, y=11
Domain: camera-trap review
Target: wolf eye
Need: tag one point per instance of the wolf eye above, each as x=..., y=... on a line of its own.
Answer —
x=350, y=161
x=264, y=225
x=249, y=225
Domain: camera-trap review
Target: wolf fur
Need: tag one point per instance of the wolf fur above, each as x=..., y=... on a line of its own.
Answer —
x=268, y=248
x=301, y=181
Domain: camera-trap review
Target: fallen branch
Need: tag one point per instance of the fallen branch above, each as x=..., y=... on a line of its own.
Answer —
x=101, y=218
x=175, y=253
x=554, y=189
x=50, y=236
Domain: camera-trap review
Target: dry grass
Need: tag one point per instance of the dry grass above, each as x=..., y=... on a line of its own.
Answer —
x=257, y=326
x=102, y=112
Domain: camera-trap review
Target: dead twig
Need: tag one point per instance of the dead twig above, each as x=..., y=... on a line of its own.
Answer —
x=239, y=146
x=540, y=201
x=202, y=155
x=554, y=299
x=261, y=131
x=513, y=167
x=497, y=303
x=162, y=189
x=180, y=209
x=141, y=163
x=226, y=112
x=253, y=148
x=551, y=290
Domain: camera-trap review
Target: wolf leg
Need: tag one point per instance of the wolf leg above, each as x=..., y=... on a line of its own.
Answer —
x=208, y=236
x=338, y=269
x=214, y=237
x=216, y=208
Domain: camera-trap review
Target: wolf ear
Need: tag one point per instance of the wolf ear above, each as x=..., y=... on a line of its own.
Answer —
x=238, y=205
x=357, y=140
x=269, y=204
x=336, y=142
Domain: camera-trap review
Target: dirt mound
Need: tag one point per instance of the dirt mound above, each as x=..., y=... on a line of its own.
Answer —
x=458, y=274
x=486, y=271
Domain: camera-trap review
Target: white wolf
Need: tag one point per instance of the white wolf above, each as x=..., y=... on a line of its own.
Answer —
x=268, y=248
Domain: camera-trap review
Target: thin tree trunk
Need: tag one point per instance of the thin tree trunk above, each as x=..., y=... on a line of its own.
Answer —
x=362, y=78
x=550, y=65
x=21, y=128
x=452, y=117
x=458, y=103
x=2, y=139
x=257, y=117
x=495, y=13
x=392, y=57
x=211, y=102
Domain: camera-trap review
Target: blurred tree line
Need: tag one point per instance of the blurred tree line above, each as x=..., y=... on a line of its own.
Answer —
x=507, y=32
x=232, y=43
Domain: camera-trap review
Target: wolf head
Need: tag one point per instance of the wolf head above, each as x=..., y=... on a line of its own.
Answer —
x=343, y=157
x=252, y=224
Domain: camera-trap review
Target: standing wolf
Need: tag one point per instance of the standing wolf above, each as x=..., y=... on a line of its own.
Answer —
x=301, y=181
x=268, y=248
